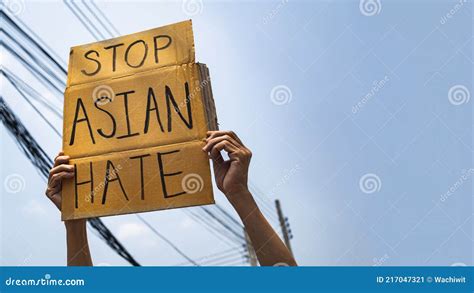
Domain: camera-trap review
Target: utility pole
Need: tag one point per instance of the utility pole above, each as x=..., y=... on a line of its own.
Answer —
x=285, y=226
x=251, y=251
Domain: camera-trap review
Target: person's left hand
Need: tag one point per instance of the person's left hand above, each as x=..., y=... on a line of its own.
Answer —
x=231, y=175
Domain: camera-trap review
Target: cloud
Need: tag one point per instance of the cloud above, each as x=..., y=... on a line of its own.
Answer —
x=186, y=223
x=131, y=230
x=138, y=234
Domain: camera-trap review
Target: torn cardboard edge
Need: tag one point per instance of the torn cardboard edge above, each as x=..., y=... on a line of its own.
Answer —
x=209, y=105
x=192, y=158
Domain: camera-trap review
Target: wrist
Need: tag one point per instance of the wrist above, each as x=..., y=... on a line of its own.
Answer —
x=74, y=225
x=243, y=202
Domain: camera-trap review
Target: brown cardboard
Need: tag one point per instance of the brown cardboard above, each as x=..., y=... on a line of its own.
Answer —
x=140, y=129
x=174, y=45
x=183, y=171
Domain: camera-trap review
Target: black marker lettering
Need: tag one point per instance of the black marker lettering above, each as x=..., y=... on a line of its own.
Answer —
x=125, y=101
x=114, y=125
x=76, y=120
x=163, y=175
x=170, y=98
x=155, y=41
x=142, y=180
x=92, y=59
x=108, y=179
x=114, y=54
x=91, y=181
x=145, y=46
x=151, y=95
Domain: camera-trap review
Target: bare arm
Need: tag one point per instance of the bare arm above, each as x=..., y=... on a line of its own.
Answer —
x=269, y=247
x=78, y=253
x=231, y=179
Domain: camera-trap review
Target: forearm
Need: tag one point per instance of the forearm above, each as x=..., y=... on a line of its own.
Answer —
x=78, y=253
x=269, y=248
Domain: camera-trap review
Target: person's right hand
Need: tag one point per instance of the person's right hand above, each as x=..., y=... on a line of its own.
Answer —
x=61, y=170
x=78, y=253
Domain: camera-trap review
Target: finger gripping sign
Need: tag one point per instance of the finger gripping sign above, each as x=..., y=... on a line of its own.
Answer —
x=136, y=112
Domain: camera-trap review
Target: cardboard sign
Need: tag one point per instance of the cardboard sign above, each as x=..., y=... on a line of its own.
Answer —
x=126, y=55
x=136, y=112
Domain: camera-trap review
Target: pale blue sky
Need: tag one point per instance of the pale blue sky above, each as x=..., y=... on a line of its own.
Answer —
x=312, y=150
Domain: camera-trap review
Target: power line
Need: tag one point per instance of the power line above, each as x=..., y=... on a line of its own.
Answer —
x=24, y=140
x=99, y=19
x=16, y=85
x=225, y=223
x=16, y=81
x=77, y=10
x=238, y=235
x=90, y=27
x=102, y=16
x=110, y=239
x=167, y=240
x=35, y=71
x=226, y=214
x=264, y=201
x=38, y=49
x=96, y=223
x=226, y=261
x=216, y=256
x=211, y=229
x=19, y=86
x=33, y=38
x=38, y=157
x=239, y=262
x=234, y=254
x=32, y=105
x=211, y=222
